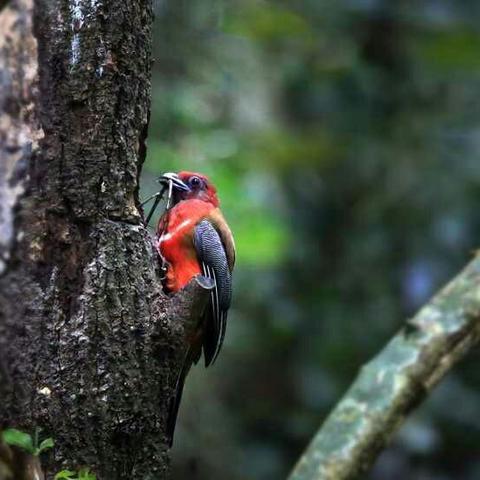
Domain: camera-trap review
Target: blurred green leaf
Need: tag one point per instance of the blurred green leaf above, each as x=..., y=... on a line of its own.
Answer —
x=19, y=439
x=85, y=474
x=450, y=50
x=269, y=21
x=261, y=240
x=45, y=445
x=64, y=474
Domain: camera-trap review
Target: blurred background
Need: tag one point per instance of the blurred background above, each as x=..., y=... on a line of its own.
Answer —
x=344, y=139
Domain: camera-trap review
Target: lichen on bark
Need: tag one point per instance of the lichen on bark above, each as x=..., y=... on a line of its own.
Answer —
x=19, y=128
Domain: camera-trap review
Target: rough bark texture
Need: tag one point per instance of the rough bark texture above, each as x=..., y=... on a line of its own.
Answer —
x=90, y=346
x=395, y=382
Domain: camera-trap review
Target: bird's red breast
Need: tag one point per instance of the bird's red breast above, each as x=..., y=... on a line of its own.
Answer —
x=175, y=239
x=175, y=242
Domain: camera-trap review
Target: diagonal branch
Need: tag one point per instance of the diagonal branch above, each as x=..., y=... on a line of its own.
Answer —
x=396, y=381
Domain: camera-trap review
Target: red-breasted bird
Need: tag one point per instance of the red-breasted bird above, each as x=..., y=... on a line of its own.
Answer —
x=194, y=239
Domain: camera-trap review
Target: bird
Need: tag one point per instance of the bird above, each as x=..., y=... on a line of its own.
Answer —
x=193, y=238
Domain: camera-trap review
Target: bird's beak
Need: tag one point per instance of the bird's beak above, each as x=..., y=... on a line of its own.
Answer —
x=178, y=184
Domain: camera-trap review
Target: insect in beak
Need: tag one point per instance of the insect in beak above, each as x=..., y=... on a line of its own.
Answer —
x=169, y=181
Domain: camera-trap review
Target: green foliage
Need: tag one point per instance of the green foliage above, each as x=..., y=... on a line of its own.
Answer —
x=31, y=445
x=82, y=474
x=45, y=445
x=451, y=49
x=19, y=439
x=27, y=442
x=267, y=22
x=65, y=474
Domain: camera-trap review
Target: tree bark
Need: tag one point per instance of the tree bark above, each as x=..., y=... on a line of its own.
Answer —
x=90, y=346
x=395, y=382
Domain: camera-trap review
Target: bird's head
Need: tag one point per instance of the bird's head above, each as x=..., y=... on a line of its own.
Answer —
x=190, y=185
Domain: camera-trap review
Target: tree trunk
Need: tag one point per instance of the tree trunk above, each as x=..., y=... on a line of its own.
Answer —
x=90, y=346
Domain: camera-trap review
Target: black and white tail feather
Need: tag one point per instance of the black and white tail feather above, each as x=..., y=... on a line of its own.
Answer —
x=211, y=254
x=213, y=259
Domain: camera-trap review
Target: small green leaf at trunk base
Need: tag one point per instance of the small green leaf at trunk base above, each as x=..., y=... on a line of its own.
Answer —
x=19, y=439
x=64, y=474
x=45, y=445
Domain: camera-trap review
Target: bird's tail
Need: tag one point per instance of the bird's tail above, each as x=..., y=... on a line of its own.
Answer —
x=177, y=396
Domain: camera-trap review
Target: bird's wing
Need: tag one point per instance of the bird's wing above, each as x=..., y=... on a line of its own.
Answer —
x=213, y=259
x=217, y=219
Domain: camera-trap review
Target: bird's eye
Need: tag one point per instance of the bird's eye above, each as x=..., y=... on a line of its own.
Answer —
x=195, y=182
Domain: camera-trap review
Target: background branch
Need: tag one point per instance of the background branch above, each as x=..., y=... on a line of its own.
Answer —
x=395, y=382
